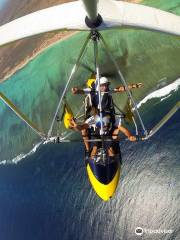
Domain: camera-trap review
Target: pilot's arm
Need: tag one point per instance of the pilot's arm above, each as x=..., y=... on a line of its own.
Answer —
x=78, y=127
x=127, y=133
x=130, y=86
x=76, y=90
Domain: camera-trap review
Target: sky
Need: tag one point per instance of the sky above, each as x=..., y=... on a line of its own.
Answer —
x=2, y=2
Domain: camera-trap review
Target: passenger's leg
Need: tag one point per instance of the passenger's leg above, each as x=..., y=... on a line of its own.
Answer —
x=111, y=152
x=94, y=151
x=115, y=133
x=85, y=137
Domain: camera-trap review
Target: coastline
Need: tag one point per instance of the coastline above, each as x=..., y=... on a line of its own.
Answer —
x=8, y=70
x=45, y=44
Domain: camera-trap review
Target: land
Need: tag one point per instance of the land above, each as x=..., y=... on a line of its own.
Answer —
x=15, y=56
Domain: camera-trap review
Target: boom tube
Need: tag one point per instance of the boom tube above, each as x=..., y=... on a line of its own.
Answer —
x=22, y=116
x=91, y=9
x=93, y=19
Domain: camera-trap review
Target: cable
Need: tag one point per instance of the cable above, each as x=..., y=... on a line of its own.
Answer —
x=73, y=72
x=163, y=120
x=124, y=82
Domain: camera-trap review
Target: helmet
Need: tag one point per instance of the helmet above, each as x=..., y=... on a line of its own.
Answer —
x=103, y=80
x=106, y=120
x=90, y=82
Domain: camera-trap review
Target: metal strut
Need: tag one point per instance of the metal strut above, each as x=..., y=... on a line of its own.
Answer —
x=95, y=38
x=72, y=74
x=22, y=116
x=124, y=82
x=163, y=120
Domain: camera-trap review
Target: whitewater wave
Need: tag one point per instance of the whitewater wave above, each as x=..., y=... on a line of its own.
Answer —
x=162, y=93
x=21, y=156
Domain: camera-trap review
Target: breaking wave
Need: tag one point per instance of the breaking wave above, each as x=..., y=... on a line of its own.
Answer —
x=163, y=93
x=21, y=156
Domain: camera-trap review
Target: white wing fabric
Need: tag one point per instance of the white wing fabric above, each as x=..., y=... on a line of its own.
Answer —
x=67, y=16
x=118, y=13
x=71, y=16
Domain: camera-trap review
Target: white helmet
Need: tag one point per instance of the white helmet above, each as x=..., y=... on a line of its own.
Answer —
x=103, y=80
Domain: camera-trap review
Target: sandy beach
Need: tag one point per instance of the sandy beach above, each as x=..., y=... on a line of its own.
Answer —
x=15, y=56
x=9, y=71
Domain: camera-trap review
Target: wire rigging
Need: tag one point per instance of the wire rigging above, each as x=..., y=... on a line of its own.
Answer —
x=128, y=92
x=95, y=36
x=72, y=74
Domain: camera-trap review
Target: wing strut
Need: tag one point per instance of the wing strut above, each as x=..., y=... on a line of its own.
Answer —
x=124, y=82
x=22, y=116
x=163, y=120
x=72, y=74
x=95, y=38
x=93, y=19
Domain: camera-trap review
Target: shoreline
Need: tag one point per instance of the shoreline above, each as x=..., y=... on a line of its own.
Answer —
x=10, y=71
x=45, y=45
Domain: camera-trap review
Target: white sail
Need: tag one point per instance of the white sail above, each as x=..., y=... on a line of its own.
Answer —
x=71, y=16
x=118, y=13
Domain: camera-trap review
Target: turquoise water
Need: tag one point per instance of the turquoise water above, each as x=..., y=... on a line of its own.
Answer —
x=150, y=58
x=47, y=195
x=36, y=88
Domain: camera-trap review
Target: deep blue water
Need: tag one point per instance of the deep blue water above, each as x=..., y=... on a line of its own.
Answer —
x=48, y=196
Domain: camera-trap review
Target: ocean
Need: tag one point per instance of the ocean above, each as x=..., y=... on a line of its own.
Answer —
x=47, y=195
x=44, y=190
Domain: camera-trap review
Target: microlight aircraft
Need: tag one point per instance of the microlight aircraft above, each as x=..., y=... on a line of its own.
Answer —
x=92, y=16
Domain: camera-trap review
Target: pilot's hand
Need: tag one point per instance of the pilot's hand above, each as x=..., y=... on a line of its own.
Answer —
x=132, y=138
x=73, y=124
x=139, y=85
x=74, y=90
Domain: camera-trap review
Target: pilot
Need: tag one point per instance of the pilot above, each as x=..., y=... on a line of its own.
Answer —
x=92, y=99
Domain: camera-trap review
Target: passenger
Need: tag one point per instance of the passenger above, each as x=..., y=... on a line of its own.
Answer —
x=110, y=131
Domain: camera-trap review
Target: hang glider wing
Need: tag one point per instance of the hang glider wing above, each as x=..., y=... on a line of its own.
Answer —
x=71, y=16
x=118, y=13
